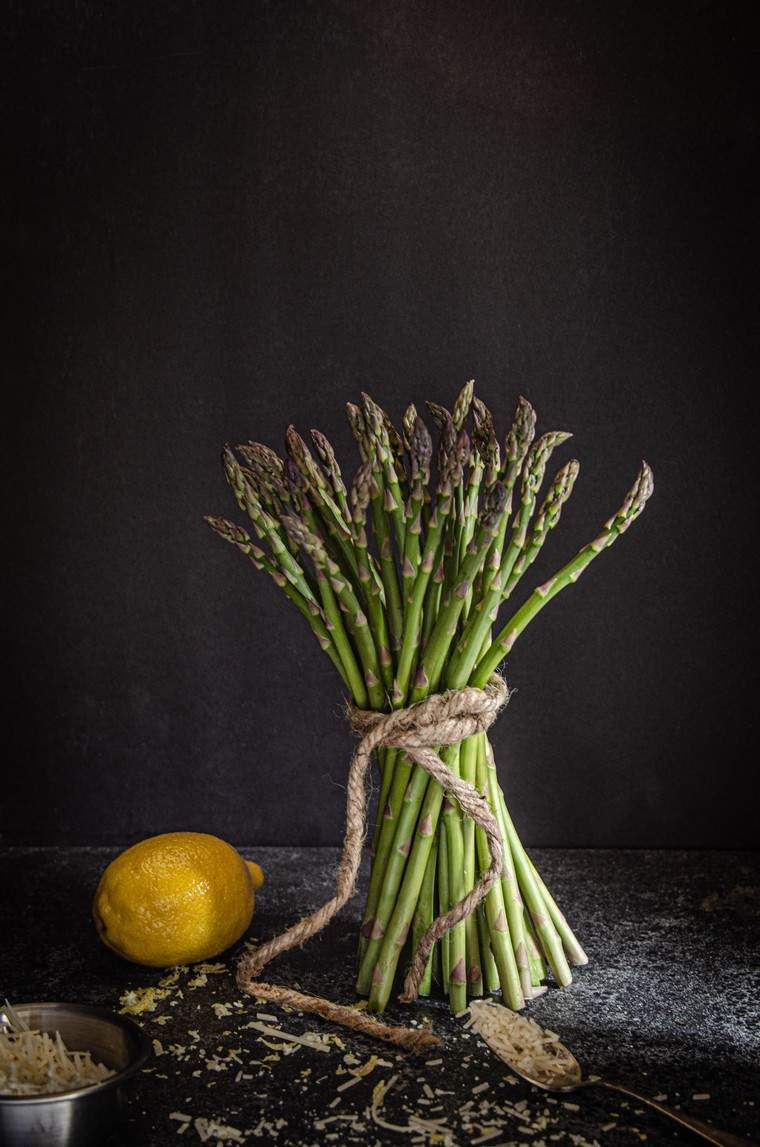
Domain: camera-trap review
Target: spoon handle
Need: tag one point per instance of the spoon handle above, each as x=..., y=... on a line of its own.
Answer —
x=711, y=1134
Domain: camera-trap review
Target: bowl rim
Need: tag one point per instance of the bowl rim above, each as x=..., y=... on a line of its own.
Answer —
x=140, y=1058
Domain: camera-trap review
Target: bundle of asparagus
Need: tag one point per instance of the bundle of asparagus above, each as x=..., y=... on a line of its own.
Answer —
x=410, y=616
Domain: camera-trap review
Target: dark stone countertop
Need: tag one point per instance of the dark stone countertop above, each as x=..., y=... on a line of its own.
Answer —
x=669, y=1002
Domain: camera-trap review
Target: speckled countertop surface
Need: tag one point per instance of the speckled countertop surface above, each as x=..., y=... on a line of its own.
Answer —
x=670, y=1001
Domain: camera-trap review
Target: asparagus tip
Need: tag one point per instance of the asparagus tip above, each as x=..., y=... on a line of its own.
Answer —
x=228, y=530
x=440, y=414
x=463, y=403
x=645, y=483
x=635, y=500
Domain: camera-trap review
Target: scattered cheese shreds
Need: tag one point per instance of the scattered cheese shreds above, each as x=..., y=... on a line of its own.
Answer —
x=308, y=1039
x=137, y=1001
x=359, y=1073
x=207, y=1129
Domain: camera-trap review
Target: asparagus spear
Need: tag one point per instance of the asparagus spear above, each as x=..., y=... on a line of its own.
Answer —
x=486, y=442
x=462, y=404
x=371, y=447
x=633, y=505
x=516, y=446
x=266, y=527
x=547, y=518
x=358, y=426
x=393, y=502
x=316, y=486
x=327, y=457
x=519, y=551
x=238, y=537
x=337, y=588
x=425, y=913
x=368, y=579
x=420, y=452
x=420, y=447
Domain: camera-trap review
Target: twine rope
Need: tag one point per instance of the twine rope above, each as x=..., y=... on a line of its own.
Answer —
x=441, y=719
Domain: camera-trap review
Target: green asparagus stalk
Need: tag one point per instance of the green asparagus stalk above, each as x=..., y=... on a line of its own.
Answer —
x=238, y=537
x=468, y=759
x=444, y=903
x=491, y=981
x=420, y=451
x=523, y=876
x=393, y=501
x=340, y=601
x=452, y=820
x=265, y=526
x=499, y=908
x=329, y=462
x=633, y=505
x=382, y=532
x=518, y=551
x=315, y=485
x=424, y=914
x=462, y=404
x=548, y=517
x=368, y=579
x=486, y=442
x=516, y=446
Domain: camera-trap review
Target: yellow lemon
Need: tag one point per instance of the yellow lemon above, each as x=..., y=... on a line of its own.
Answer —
x=176, y=899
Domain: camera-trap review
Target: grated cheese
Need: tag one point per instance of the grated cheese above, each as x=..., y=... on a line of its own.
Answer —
x=38, y=1063
x=524, y=1045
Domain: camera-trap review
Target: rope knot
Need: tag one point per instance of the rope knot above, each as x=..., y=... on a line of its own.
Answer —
x=441, y=719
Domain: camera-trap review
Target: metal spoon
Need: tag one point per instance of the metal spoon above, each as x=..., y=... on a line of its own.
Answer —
x=572, y=1080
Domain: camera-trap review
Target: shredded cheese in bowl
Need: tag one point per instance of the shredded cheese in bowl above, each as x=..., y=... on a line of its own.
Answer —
x=520, y=1042
x=37, y=1063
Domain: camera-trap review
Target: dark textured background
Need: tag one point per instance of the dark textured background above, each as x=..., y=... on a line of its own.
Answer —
x=224, y=217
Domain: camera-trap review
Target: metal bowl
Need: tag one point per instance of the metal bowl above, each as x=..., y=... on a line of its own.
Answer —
x=87, y=1114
